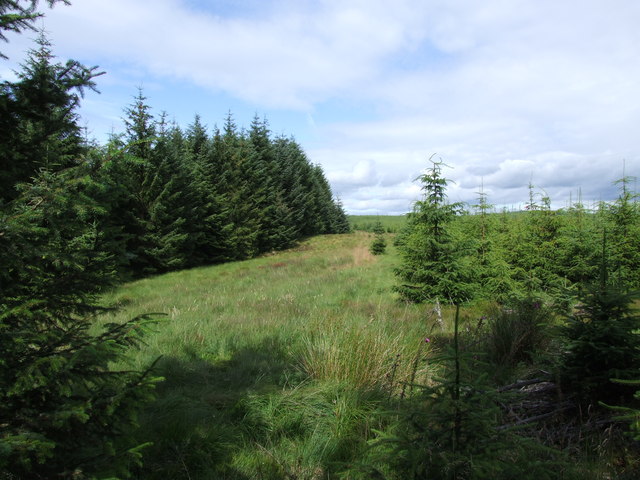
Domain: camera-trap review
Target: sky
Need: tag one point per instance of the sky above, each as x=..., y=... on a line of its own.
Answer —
x=507, y=93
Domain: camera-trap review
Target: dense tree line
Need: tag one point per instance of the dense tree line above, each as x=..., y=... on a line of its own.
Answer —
x=77, y=217
x=186, y=198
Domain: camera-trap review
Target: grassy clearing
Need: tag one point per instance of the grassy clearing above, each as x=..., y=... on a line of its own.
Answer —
x=285, y=366
x=277, y=366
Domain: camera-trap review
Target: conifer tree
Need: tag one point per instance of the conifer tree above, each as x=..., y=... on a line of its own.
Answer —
x=493, y=272
x=244, y=217
x=206, y=223
x=601, y=340
x=296, y=185
x=266, y=190
x=578, y=244
x=624, y=236
x=379, y=244
x=38, y=119
x=150, y=184
x=432, y=266
x=63, y=411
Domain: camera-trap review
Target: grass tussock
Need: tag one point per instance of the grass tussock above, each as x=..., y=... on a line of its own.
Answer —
x=365, y=356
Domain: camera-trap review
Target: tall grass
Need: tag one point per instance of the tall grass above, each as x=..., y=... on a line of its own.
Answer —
x=366, y=357
x=277, y=366
x=287, y=366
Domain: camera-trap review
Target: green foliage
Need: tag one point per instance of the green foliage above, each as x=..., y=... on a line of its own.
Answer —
x=63, y=411
x=623, y=217
x=452, y=430
x=379, y=244
x=578, y=245
x=514, y=333
x=186, y=199
x=252, y=391
x=38, y=119
x=629, y=414
x=367, y=223
x=433, y=264
x=19, y=15
x=601, y=343
x=378, y=229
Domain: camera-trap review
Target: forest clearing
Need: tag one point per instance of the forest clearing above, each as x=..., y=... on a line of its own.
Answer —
x=293, y=365
x=194, y=303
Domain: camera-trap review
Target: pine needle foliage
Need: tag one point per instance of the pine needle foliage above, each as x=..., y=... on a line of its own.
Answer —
x=63, y=411
x=379, y=244
x=602, y=342
x=19, y=15
x=433, y=264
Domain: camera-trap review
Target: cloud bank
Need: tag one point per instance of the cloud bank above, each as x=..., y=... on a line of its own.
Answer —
x=507, y=93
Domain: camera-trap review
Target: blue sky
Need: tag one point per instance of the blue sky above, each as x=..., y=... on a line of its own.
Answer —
x=506, y=92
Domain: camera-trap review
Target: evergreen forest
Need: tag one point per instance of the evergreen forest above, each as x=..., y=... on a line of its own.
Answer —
x=194, y=303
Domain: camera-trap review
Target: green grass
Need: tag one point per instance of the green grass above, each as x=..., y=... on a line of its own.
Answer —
x=284, y=366
x=276, y=367
x=391, y=223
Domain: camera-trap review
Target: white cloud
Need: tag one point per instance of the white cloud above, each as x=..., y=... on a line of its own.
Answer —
x=505, y=92
x=290, y=58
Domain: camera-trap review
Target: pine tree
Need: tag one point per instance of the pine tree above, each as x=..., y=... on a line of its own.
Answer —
x=432, y=257
x=601, y=340
x=379, y=244
x=452, y=430
x=266, y=189
x=624, y=236
x=534, y=251
x=296, y=183
x=493, y=272
x=205, y=213
x=578, y=244
x=38, y=119
x=243, y=219
x=63, y=411
x=149, y=184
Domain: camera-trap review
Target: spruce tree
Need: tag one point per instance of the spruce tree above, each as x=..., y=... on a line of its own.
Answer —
x=206, y=222
x=38, y=119
x=296, y=183
x=494, y=275
x=432, y=258
x=63, y=411
x=601, y=340
x=149, y=186
x=578, y=244
x=379, y=244
x=623, y=216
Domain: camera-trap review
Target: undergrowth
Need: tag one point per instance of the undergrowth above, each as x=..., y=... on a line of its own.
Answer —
x=291, y=366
